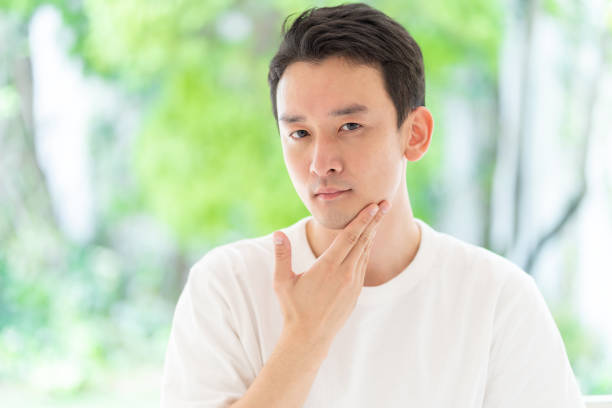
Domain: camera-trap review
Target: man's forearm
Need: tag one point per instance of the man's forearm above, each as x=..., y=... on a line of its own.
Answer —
x=287, y=377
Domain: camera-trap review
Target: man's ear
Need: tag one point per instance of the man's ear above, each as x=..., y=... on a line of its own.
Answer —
x=416, y=133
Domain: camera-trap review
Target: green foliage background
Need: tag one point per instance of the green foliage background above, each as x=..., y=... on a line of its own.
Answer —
x=207, y=164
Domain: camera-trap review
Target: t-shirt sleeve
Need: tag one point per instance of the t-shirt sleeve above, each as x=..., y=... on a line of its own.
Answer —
x=528, y=364
x=206, y=365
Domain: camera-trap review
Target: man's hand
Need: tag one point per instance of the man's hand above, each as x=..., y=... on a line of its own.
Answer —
x=317, y=303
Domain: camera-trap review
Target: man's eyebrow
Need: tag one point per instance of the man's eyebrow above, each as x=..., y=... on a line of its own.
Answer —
x=347, y=110
x=291, y=118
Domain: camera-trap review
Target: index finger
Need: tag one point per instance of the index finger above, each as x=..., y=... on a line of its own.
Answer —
x=346, y=240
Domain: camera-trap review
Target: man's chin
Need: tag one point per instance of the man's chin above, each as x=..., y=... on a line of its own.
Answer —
x=333, y=219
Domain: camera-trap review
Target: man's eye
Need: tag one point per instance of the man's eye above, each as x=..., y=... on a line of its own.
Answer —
x=351, y=126
x=299, y=134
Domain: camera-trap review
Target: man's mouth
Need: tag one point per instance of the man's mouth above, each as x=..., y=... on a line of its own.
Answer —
x=331, y=195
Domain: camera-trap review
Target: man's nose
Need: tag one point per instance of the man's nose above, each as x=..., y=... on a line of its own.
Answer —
x=326, y=157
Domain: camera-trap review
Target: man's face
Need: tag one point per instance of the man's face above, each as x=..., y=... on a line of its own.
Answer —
x=338, y=131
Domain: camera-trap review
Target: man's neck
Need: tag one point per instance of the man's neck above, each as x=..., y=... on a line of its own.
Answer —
x=395, y=245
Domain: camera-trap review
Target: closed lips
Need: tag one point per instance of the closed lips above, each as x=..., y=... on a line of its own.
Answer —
x=329, y=191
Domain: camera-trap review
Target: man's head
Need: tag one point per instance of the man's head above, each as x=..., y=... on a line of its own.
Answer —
x=361, y=34
x=347, y=87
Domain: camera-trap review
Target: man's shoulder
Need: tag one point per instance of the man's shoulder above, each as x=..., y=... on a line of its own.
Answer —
x=241, y=255
x=472, y=271
x=466, y=260
x=233, y=254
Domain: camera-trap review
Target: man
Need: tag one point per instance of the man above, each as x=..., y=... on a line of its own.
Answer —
x=359, y=304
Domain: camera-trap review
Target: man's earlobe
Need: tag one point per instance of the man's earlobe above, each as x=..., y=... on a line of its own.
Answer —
x=419, y=128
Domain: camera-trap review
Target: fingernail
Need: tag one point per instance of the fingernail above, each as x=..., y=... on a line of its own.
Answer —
x=278, y=239
x=385, y=207
x=373, y=210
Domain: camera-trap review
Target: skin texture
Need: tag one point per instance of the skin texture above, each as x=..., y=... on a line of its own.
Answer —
x=322, y=150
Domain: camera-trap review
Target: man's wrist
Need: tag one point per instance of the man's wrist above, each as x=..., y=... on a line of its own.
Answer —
x=305, y=342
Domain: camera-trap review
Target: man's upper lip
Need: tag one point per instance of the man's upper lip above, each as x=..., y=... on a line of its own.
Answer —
x=329, y=190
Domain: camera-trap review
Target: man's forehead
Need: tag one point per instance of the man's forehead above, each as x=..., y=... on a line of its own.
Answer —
x=331, y=87
x=350, y=109
x=332, y=69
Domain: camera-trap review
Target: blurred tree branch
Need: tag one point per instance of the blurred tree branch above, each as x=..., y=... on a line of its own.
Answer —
x=575, y=201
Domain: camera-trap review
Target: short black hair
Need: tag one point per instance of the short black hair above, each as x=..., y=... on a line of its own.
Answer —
x=361, y=34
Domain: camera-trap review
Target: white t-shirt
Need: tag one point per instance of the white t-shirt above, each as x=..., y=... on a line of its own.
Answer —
x=459, y=327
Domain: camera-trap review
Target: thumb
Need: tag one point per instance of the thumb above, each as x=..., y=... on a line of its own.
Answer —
x=282, y=259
